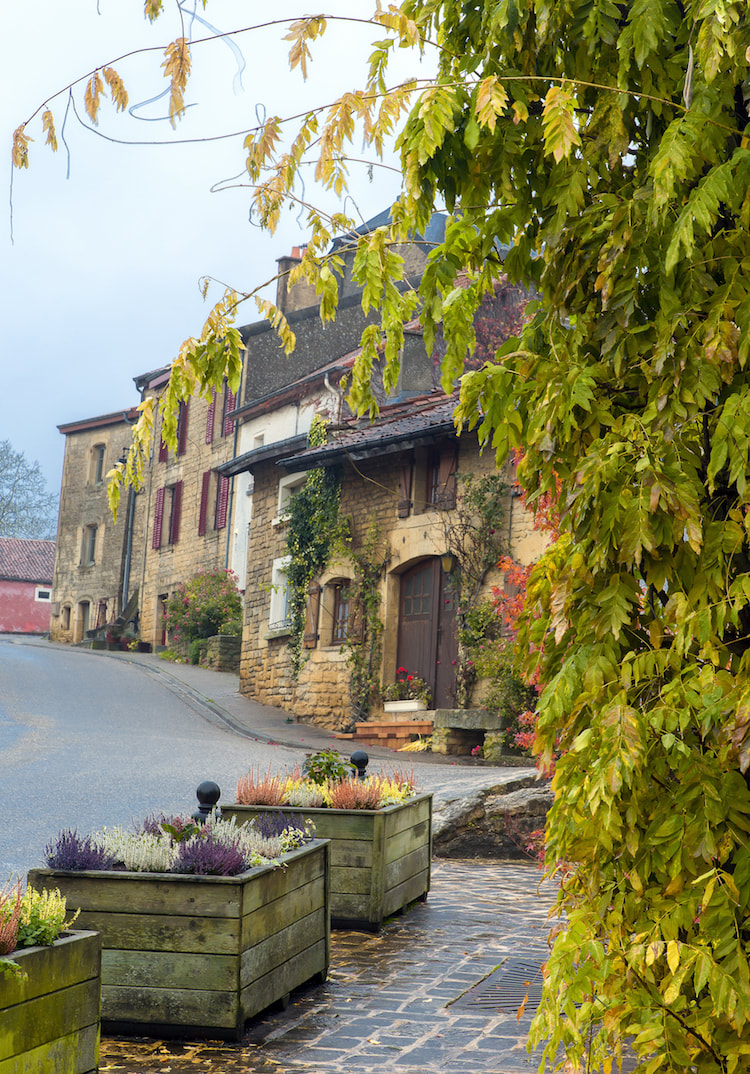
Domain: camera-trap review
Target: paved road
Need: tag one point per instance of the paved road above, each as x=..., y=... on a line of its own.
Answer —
x=87, y=741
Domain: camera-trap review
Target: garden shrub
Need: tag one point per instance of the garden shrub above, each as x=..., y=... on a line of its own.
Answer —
x=208, y=604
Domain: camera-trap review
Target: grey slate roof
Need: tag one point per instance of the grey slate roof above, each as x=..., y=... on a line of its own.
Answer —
x=24, y=560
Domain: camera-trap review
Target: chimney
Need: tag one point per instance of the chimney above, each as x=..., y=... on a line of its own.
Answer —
x=301, y=294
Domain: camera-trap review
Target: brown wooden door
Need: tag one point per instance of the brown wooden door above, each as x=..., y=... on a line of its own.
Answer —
x=426, y=630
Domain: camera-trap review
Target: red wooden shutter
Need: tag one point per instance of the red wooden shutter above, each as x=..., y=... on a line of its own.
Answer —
x=158, y=517
x=174, y=521
x=310, y=637
x=163, y=451
x=222, y=500
x=404, y=490
x=204, y=503
x=447, y=478
x=182, y=424
x=229, y=401
x=210, y=417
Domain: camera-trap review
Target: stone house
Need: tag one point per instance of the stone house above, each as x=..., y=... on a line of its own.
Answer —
x=97, y=561
x=185, y=505
x=400, y=478
x=26, y=567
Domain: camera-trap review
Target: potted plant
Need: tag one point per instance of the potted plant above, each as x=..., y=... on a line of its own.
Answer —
x=379, y=828
x=49, y=986
x=203, y=926
x=408, y=693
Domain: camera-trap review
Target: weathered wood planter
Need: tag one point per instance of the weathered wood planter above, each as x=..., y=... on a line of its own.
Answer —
x=49, y=1020
x=380, y=859
x=184, y=955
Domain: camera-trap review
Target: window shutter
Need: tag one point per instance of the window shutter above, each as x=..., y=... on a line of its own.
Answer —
x=229, y=402
x=182, y=425
x=210, y=417
x=163, y=451
x=404, y=489
x=447, y=478
x=174, y=521
x=310, y=637
x=206, y=485
x=222, y=500
x=158, y=517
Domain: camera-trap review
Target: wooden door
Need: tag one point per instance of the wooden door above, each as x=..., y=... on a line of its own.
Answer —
x=426, y=630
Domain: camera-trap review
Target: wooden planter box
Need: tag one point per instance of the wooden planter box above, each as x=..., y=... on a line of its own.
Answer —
x=189, y=955
x=49, y=1020
x=380, y=859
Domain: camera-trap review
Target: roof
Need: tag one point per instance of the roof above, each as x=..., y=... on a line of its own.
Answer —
x=24, y=560
x=402, y=425
x=117, y=417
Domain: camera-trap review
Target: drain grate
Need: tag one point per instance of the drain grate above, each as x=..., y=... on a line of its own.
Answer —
x=504, y=989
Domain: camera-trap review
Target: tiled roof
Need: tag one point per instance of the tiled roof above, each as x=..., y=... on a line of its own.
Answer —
x=26, y=560
x=409, y=421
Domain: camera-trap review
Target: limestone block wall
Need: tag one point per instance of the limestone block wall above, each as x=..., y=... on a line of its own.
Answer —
x=195, y=507
x=370, y=493
x=91, y=546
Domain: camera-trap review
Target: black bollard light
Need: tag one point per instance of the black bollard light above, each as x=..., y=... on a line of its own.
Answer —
x=360, y=761
x=208, y=794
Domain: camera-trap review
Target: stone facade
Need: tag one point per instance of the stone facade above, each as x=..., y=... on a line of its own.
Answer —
x=186, y=506
x=370, y=496
x=97, y=561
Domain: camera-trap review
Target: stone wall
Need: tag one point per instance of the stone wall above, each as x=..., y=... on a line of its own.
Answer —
x=370, y=493
x=177, y=560
x=89, y=566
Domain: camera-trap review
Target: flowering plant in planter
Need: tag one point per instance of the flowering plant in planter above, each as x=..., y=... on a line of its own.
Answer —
x=407, y=688
x=164, y=844
x=313, y=791
x=31, y=919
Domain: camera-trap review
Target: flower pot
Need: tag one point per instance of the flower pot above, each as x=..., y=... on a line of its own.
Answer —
x=199, y=955
x=380, y=858
x=50, y=1017
x=406, y=704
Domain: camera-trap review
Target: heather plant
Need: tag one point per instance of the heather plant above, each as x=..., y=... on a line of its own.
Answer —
x=71, y=851
x=303, y=794
x=209, y=855
x=255, y=789
x=356, y=794
x=139, y=851
x=10, y=916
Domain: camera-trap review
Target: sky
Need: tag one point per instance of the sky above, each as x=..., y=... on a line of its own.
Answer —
x=103, y=252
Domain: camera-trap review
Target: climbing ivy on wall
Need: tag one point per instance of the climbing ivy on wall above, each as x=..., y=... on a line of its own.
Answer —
x=313, y=528
x=364, y=644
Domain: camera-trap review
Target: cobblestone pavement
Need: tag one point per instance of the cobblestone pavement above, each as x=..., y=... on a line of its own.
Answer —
x=397, y=1002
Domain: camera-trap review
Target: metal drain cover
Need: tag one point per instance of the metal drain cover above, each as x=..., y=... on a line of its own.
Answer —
x=504, y=989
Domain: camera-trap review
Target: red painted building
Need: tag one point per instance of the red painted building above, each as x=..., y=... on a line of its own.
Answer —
x=25, y=585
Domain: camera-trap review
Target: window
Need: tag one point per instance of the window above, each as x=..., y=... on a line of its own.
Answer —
x=168, y=505
x=279, y=617
x=98, y=452
x=340, y=613
x=88, y=548
x=42, y=593
x=441, y=478
x=288, y=487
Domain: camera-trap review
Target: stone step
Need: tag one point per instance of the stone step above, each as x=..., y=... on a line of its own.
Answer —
x=393, y=734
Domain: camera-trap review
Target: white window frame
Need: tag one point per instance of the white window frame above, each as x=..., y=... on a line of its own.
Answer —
x=278, y=616
x=287, y=487
x=43, y=593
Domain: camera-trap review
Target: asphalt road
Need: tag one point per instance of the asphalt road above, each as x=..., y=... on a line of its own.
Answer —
x=86, y=742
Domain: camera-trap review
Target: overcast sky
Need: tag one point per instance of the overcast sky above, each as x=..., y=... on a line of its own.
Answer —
x=101, y=280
